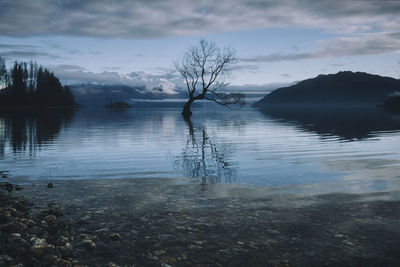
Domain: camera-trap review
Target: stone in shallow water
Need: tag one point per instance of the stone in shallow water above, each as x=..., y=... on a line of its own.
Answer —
x=40, y=250
x=273, y=232
x=199, y=243
x=5, y=259
x=63, y=263
x=114, y=236
x=50, y=219
x=87, y=244
x=18, y=188
x=66, y=250
x=15, y=236
x=159, y=252
x=7, y=186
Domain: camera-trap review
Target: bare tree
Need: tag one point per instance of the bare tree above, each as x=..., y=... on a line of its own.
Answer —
x=203, y=68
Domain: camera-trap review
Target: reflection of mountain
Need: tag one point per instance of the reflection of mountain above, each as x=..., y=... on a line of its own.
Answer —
x=344, y=89
x=392, y=104
x=354, y=124
x=204, y=158
x=92, y=95
x=29, y=130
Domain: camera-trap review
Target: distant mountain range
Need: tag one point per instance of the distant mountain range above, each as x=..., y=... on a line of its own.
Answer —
x=98, y=95
x=343, y=89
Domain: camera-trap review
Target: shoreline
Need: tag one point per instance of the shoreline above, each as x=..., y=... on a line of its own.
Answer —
x=27, y=239
x=164, y=223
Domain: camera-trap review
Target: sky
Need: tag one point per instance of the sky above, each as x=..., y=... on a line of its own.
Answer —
x=136, y=42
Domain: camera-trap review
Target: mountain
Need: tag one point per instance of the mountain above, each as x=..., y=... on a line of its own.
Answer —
x=343, y=89
x=98, y=95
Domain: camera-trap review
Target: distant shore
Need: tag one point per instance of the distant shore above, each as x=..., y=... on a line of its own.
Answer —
x=36, y=108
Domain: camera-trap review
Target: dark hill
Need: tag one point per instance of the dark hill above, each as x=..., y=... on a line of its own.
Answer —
x=343, y=89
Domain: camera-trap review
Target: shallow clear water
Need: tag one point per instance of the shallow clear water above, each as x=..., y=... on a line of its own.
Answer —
x=319, y=150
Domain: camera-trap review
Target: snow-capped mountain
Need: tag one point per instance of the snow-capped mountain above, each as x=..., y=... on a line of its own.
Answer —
x=97, y=95
x=157, y=84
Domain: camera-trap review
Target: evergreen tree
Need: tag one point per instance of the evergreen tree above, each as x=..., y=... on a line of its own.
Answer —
x=33, y=85
x=18, y=88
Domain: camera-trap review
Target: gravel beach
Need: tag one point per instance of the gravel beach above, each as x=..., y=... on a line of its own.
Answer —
x=169, y=222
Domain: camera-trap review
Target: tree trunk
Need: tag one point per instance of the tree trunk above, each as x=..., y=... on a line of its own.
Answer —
x=186, y=113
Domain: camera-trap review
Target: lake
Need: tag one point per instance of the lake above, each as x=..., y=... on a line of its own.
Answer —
x=310, y=151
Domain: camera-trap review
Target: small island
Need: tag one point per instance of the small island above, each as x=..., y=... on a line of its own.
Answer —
x=118, y=105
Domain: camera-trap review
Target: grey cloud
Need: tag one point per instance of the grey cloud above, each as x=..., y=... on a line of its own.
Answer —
x=244, y=67
x=337, y=65
x=278, y=57
x=66, y=67
x=24, y=51
x=367, y=44
x=15, y=46
x=159, y=18
x=107, y=68
x=13, y=54
x=95, y=52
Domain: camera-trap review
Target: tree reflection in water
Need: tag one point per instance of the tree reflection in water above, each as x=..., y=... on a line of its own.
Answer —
x=28, y=130
x=205, y=159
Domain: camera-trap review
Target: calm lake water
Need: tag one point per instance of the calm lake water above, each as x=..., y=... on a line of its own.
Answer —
x=323, y=150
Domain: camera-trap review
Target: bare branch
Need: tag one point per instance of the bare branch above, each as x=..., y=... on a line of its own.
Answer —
x=203, y=68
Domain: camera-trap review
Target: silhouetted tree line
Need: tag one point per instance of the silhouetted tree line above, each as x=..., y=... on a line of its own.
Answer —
x=32, y=85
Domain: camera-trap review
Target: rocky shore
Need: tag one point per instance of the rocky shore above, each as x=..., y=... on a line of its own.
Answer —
x=28, y=240
x=167, y=223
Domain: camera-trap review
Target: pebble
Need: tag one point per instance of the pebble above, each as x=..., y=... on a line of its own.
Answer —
x=159, y=252
x=63, y=263
x=114, y=236
x=30, y=240
x=273, y=232
x=50, y=219
x=199, y=243
x=18, y=188
x=347, y=242
x=88, y=244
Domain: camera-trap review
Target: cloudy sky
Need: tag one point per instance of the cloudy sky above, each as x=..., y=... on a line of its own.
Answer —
x=276, y=41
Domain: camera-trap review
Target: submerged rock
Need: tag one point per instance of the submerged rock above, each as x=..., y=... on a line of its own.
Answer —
x=27, y=240
x=50, y=219
x=63, y=263
x=88, y=244
x=114, y=236
x=7, y=186
x=18, y=188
